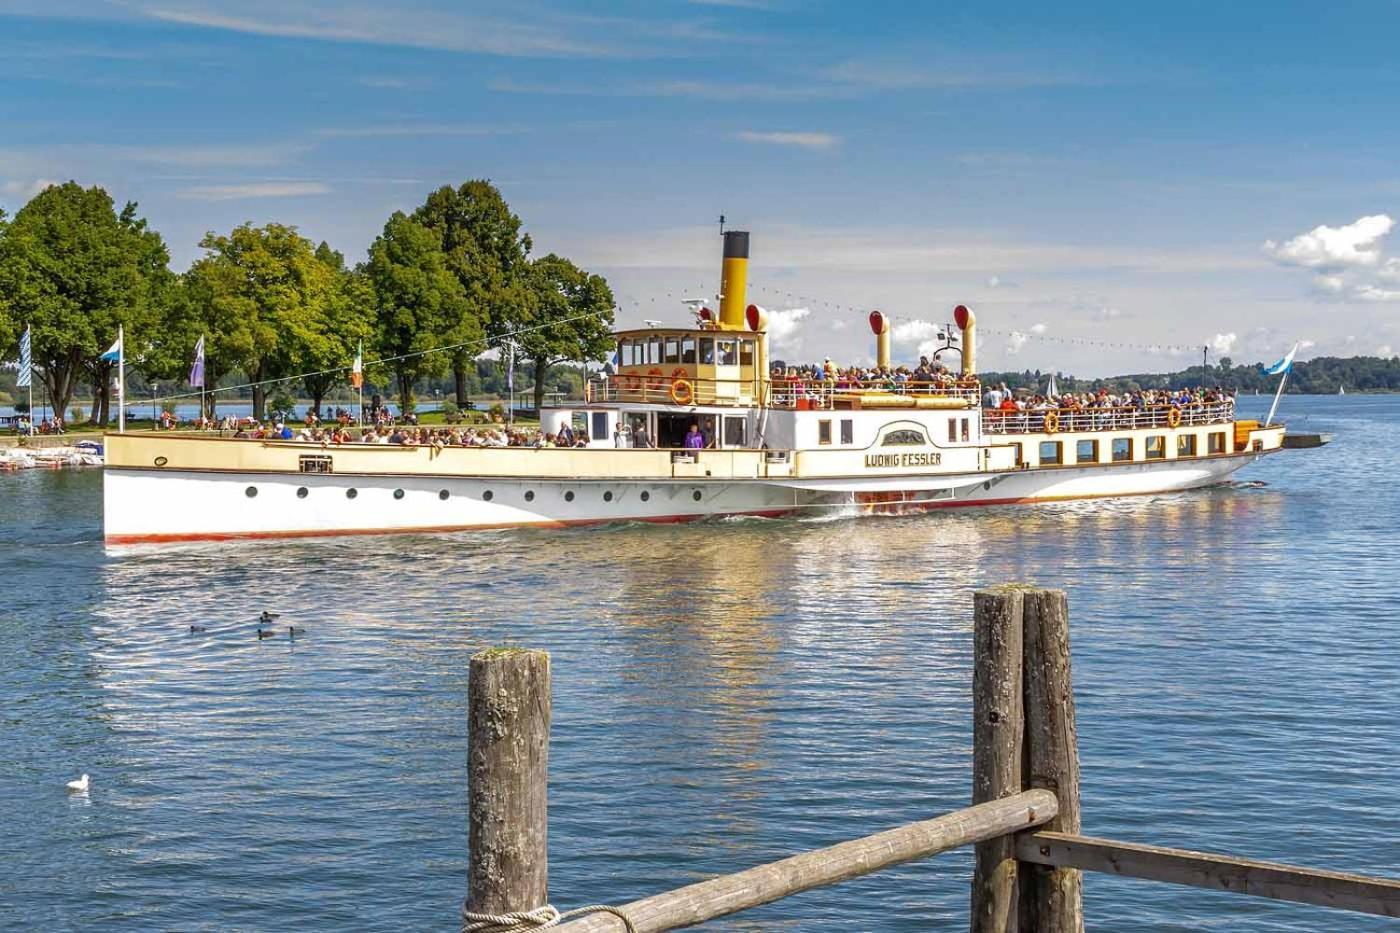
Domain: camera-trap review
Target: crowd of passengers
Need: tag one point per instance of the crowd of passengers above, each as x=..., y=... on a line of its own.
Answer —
x=927, y=374
x=408, y=436
x=1001, y=398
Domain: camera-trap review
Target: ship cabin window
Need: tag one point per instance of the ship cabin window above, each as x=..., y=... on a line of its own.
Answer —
x=965, y=435
x=1217, y=442
x=1049, y=453
x=600, y=425
x=848, y=431
x=1086, y=452
x=653, y=350
x=824, y=431
x=707, y=351
x=727, y=354
x=903, y=438
x=687, y=349
x=1156, y=447
x=624, y=352
x=745, y=352
x=1186, y=445
x=314, y=463
x=952, y=430
x=1122, y=449
x=673, y=350
x=734, y=431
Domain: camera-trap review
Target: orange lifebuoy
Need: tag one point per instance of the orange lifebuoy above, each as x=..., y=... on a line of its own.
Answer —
x=657, y=382
x=1052, y=422
x=679, y=373
x=682, y=393
x=1174, y=417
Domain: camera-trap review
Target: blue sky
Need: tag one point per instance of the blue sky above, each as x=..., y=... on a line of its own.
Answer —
x=1198, y=173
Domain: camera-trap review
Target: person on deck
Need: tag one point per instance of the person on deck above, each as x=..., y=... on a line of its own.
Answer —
x=640, y=437
x=694, y=440
x=565, y=437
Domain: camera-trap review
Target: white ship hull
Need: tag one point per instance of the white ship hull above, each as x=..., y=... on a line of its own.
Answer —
x=148, y=506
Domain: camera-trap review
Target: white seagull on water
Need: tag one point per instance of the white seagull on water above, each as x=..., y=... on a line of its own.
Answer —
x=80, y=785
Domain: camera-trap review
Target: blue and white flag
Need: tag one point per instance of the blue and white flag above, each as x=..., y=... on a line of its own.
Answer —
x=115, y=353
x=611, y=367
x=1283, y=365
x=26, y=359
x=197, y=370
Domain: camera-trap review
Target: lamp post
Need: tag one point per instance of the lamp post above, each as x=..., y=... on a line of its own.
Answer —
x=155, y=387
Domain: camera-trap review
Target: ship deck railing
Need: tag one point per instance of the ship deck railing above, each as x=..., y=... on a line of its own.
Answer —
x=785, y=393
x=995, y=421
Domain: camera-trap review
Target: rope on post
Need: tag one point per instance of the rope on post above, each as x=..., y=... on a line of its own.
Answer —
x=541, y=918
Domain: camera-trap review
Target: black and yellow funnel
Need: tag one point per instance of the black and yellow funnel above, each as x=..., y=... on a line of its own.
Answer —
x=734, y=279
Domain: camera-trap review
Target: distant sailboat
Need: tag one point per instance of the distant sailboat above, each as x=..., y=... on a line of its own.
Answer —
x=1051, y=390
x=1341, y=390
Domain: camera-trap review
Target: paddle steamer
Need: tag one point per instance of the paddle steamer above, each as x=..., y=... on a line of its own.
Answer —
x=777, y=446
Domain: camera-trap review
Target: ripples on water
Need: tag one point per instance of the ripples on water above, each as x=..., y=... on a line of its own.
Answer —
x=725, y=693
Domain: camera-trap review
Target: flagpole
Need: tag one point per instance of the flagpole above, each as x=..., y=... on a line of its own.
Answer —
x=201, y=389
x=121, y=381
x=29, y=330
x=1274, y=407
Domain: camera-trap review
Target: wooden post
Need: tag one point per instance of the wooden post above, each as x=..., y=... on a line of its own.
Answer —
x=1052, y=899
x=998, y=726
x=508, y=712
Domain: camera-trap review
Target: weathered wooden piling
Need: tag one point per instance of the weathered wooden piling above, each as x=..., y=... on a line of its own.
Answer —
x=508, y=714
x=1052, y=898
x=998, y=722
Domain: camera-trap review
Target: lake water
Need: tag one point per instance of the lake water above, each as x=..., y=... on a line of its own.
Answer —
x=725, y=693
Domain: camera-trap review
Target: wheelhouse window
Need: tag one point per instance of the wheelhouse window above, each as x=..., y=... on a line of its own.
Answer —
x=687, y=349
x=824, y=431
x=1217, y=442
x=905, y=437
x=1156, y=447
x=745, y=352
x=1049, y=452
x=653, y=351
x=624, y=352
x=1086, y=452
x=1186, y=445
x=673, y=350
x=1122, y=449
x=728, y=356
x=707, y=351
x=848, y=431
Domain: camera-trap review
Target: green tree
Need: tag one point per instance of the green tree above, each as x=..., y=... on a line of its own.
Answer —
x=259, y=297
x=75, y=270
x=346, y=318
x=418, y=302
x=571, y=316
x=9, y=327
x=486, y=251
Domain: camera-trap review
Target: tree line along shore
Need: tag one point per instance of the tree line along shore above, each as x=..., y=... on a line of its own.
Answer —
x=456, y=273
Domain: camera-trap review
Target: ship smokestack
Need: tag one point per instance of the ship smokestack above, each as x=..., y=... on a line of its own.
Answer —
x=734, y=280
x=966, y=320
x=880, y=325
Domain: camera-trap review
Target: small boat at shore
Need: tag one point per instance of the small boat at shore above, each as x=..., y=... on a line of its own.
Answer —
x=696, y=422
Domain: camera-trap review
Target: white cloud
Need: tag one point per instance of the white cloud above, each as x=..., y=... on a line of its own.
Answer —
x=994, y=281
x=417, y=129
x=1015, y=342
x=257, y=189
x=1225, y=343
x=24, y=190
x=1039, y=329
x=923, y=336
x=1324, y=247
x=1385, y=351
x=1375, y=293
x=802, y=140
x=1333, y=284
x=1107, y=313
x=783, y=326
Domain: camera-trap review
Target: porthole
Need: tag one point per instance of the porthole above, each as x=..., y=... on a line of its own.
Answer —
x=351, y=493
x=251, y=491
x=607, y=496
x=161, y=461
x=645, y=495
x=443, y=494
x=529, y=495
x=569, y=496
x=302, y=492
x=987, y=485
x=696, y=495
x=488, y=495
x=398, y=493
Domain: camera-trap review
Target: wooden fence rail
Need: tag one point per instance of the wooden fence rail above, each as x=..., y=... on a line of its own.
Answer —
x=1024, y=821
